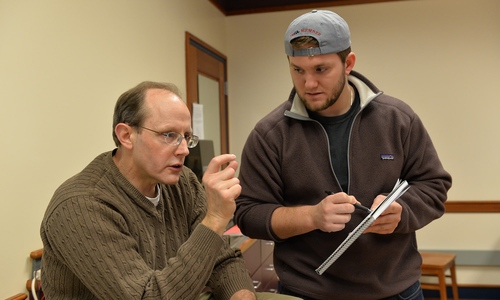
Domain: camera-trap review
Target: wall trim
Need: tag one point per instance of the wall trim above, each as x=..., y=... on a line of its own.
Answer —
x=490, y=258
x=473, y=206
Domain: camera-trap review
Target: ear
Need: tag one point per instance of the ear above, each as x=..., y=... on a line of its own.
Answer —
x=349, y=62
x=125, y=134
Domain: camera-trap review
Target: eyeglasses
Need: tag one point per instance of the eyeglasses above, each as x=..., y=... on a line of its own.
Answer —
x=175, y=138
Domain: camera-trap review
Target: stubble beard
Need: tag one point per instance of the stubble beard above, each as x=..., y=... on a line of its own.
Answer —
x=335, y=92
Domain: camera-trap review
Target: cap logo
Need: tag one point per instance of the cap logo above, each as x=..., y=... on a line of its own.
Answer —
x=306, y=30
x=310, y=30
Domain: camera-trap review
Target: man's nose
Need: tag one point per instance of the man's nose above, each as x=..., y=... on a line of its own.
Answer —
x=182, y=148
x=310, y=81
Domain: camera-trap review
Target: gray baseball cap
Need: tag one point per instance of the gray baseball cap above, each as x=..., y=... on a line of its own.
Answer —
x=331, y=31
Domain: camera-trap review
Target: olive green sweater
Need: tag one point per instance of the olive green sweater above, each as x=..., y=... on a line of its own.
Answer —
x=104, y=240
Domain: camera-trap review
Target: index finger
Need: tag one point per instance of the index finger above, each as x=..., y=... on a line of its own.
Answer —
x=217, y=162
x=342, y=198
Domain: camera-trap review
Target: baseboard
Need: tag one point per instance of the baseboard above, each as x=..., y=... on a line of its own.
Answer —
x=468, y=293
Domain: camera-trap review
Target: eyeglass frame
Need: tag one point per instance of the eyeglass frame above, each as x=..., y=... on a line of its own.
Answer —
x=191, y=140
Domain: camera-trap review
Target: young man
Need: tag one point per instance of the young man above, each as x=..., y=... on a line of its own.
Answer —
x=338, y=132
x=135, y=223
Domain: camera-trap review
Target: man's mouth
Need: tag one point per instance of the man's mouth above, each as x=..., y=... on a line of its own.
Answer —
x=177, y=166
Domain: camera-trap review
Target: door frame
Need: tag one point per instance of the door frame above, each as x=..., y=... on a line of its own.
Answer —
x=203, y=59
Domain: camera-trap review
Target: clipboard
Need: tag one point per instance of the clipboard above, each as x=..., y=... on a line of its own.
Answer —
x=399, y=189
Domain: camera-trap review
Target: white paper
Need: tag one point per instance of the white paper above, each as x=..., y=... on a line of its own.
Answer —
x=198, y=128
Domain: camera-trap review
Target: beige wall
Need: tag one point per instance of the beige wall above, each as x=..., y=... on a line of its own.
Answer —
x=63, y=64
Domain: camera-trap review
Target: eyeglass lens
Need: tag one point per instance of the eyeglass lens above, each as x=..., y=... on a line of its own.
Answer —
x=175, y=139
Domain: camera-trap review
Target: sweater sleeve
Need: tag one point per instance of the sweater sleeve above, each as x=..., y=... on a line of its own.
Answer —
x=229, y=273
x=430, y=182
x=262, y=186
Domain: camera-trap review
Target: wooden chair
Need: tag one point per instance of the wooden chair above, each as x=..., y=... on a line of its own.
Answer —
x=36, y=257
x=18, y=297
x=437, y=264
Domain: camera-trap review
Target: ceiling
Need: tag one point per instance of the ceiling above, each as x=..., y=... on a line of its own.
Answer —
x=241, y=7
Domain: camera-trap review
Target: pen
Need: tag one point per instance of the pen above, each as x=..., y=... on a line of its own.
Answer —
x=356, y=205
